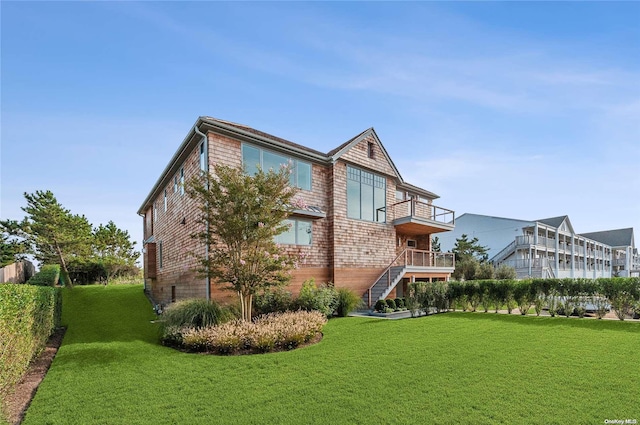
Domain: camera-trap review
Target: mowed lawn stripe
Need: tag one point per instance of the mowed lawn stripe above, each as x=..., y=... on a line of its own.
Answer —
x=447, y=368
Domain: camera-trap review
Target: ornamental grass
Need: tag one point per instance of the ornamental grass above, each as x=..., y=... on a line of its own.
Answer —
x=271, y=332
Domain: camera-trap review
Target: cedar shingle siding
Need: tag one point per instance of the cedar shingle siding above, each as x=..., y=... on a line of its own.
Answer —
x=349, y=252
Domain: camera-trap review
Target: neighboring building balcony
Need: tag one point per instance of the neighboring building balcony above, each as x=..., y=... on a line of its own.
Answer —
x=619, y=262
x=414, y=217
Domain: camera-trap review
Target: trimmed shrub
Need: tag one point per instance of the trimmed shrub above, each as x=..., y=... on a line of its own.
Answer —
x=413, y=302
x=553, y=302
x=391, y=304
x=486, y=289
x=601, y=305
x=347, y=302
x=49, y=275
x=472, y=292
x=273, y=301
x=322, y=298
x=440, y=291
x=399, y=303
x=456, y=295
x=28, y=316
x=380, y=306
x=523, y=296
x=191, y=314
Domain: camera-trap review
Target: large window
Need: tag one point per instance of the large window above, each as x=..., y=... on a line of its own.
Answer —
x=203, y=157
x=366, y=195
x=299, y=232
x=253, y=157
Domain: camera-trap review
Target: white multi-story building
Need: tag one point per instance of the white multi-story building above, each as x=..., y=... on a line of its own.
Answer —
x=549, y=247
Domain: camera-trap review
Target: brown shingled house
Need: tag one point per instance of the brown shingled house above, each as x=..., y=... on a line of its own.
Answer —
x=365, y=228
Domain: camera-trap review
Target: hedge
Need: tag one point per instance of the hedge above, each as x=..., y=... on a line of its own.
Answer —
x=28, y=316
x=49, y=275
x=560, y=295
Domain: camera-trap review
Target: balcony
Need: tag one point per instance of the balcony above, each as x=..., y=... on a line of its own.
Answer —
x=414, y=217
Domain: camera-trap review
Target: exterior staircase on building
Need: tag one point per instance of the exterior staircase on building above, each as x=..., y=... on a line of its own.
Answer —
x=384, y=285
x=407, y=260
x=504, y=253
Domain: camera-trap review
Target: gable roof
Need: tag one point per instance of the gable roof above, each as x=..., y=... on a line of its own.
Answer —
x=244, y=132
x=614, y=238
x=553, y=221
x=338, y=152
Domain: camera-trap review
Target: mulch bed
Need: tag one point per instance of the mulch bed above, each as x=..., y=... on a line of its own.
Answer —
x=20, y=397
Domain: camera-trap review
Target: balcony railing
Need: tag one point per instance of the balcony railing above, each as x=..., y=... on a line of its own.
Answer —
x=418, y=211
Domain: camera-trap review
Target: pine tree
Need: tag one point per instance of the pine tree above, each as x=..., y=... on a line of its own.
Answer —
x=54, y=234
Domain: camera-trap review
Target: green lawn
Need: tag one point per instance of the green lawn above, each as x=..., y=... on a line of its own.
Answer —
x=461, y=368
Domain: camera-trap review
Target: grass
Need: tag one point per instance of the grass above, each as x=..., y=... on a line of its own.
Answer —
x=448, y=368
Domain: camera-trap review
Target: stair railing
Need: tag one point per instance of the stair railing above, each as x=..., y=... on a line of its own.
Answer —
x=388, y=272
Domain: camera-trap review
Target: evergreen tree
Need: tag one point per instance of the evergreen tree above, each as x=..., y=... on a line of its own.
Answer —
x=51, y=232
x=435, y=244
x=466, y=249
x=114, y=249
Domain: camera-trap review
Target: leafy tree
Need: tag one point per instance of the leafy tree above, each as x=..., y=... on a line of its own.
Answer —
x=485, y=271
x=504, y=272
x=240, y=215
x=465, y=249
x=53, y=234
x=114, y=249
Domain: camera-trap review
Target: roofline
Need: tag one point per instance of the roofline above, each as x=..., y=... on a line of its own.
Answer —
x=206, y=124
x=420, y=191
x=220, y=126
x=166, y=172
x=357, y=139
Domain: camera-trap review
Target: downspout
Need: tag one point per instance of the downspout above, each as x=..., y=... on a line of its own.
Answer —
x=206, y=170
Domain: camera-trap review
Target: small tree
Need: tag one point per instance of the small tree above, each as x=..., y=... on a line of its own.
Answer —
x=469, y=256
x=465, y=249
x=114, y=249
x=240, y=215
x=504, y=272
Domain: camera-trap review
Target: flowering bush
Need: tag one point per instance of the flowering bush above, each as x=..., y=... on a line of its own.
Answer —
x=271, y=332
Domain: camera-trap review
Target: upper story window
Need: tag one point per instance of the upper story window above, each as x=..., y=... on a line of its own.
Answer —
x=371, y=150
x=253, y=157
x=182, y=181
x=165, y=200
x=299, y=232
x=366, y=195
x=203, y=157
x=175, y=184
x=155, y=213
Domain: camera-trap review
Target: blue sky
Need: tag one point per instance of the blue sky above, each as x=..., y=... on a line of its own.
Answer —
x=521, y=110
